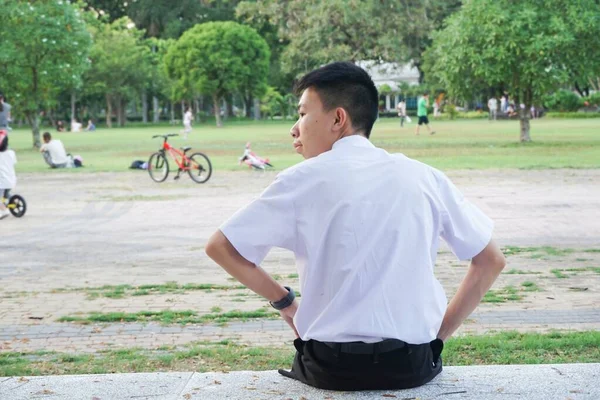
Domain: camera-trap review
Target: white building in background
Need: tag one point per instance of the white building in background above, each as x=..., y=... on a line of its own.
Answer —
x=391, y=74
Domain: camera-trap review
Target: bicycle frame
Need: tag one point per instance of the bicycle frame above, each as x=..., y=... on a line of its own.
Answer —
x=174, y=153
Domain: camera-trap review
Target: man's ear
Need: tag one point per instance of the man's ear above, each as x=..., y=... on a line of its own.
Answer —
x=341, y=118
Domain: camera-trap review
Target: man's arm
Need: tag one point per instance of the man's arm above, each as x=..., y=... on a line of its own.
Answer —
x=483, y=271
x=220, y=249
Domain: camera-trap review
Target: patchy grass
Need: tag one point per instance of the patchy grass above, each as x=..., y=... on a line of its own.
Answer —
x=293, y=276
x=121, y=291
x=167, y=317
x=521, y=272
x=530, y=287
x=496, y=349
x=558, y=273
x=509, y=293
x=538, y=252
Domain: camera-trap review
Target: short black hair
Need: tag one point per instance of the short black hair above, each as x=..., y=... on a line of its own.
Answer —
x=47, y=136
x=345, y=85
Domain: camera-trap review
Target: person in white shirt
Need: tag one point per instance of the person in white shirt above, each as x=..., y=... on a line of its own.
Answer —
x=493, y=107
x=54, y=152
x=401, y=107
x=75, y=125
x=8, y=178
x=187, y=122
x=364, y=226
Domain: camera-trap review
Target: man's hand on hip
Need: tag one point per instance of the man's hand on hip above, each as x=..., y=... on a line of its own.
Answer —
x=288, y=315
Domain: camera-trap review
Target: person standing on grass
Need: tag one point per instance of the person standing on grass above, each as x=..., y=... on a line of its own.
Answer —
x=4, y=113
x=401, y=107
x=364, y=226
x=422, y=105
x=493, y=108
x=187, y=122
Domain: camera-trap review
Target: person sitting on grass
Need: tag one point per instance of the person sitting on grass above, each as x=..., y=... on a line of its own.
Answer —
x=8, y=178
x=90, y=126
x=54, y=152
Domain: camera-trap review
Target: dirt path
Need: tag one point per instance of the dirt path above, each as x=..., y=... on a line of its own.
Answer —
x=89, y=230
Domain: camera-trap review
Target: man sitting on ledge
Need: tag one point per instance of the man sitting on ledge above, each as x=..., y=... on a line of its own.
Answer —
x=364, y=226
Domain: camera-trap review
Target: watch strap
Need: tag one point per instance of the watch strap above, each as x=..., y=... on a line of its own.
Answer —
x=286, y=301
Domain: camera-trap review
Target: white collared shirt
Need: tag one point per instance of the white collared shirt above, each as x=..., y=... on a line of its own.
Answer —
x=364, y=226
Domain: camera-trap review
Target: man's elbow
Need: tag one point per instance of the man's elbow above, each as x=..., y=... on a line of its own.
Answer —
x=215, y=245
x=500, y=261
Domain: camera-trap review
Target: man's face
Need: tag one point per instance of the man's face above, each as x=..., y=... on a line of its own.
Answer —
x=313, y=133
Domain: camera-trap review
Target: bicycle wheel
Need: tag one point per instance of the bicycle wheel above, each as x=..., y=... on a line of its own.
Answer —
x=200, y=168
x=17, y=206
x=158, y=167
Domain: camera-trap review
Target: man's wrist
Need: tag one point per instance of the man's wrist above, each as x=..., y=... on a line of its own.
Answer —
x=284, y=302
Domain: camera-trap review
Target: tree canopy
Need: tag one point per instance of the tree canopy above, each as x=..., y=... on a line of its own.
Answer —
x=218, y=59
x=44, y=49
x=120, y=65
x=528, y=48
x=319, y=32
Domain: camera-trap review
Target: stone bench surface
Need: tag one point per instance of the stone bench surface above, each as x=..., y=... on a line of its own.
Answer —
x=528, y=382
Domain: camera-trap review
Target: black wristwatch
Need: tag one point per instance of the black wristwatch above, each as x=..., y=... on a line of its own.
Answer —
x=286, y=301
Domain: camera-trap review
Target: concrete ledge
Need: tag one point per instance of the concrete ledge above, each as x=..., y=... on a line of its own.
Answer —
x=528, y=382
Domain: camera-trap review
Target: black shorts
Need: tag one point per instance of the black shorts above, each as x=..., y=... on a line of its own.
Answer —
x=423, y=120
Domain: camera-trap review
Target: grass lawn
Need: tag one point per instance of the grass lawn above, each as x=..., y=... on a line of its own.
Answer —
x=464, y=144
x=502, y=348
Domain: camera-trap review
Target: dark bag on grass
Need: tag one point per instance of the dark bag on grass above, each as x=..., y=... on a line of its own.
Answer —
x=138, y=164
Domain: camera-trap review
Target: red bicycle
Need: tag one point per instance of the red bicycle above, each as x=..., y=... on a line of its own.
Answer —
x=197, y=165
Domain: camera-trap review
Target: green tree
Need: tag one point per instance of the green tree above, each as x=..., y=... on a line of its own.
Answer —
x=530, y=48
x=319, y=32
x=120, y=65
x=169, y=19
x=218, y=59
x=44, y=48
x=111, y=9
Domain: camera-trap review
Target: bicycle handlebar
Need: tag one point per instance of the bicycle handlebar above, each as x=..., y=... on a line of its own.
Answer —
x=165, y=136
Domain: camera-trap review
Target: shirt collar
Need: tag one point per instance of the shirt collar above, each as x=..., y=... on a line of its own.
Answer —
x=352, y=141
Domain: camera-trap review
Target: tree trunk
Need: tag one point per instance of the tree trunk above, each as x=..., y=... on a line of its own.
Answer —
x=73, y=102
x=50, y=115
x=155, y=110
x=172, y=111
x=197, y=113
x=217, y=105
x=524, y=120
x=229, y=107
x=182, y=108
x=34, y=120
x=122, y=112
x=247, y=106
x=108, y=111
x=119, y=115
x=144, y=107
x=256, y=109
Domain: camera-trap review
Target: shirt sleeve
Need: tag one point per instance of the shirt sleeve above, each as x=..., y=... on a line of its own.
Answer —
x=465, y=228
x=267, y=222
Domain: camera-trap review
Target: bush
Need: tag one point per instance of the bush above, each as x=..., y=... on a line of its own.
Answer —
x=593, y=99
x=450, y=109
x=563, y=101
x=576, y=115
